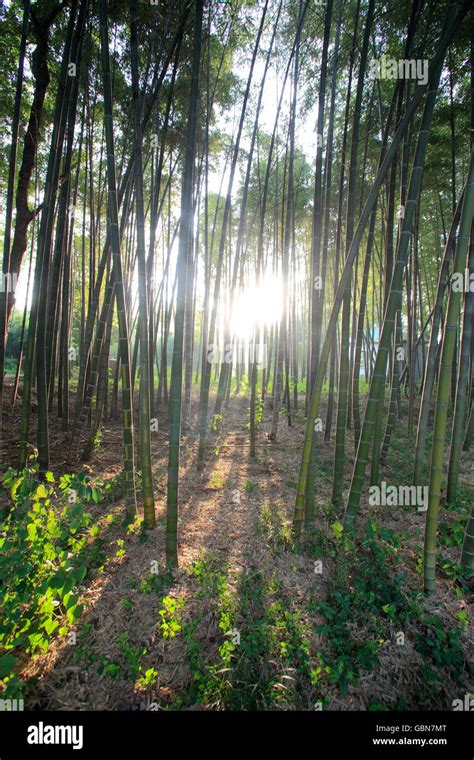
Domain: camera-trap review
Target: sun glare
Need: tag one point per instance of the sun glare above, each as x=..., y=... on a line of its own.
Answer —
x=258, y=305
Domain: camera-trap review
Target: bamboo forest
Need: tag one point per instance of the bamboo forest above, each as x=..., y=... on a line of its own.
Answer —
x=237, y=365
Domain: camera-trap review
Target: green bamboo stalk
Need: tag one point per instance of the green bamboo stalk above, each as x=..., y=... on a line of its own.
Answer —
x=467, y=553
x=185, y=235
x=317, y=267
x=103, y=379
x=143, y=320
x=124, y=348
x=462, y=387
x=444, y=386
x=429, y=378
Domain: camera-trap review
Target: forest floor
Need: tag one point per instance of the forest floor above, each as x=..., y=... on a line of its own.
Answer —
x=251, y=621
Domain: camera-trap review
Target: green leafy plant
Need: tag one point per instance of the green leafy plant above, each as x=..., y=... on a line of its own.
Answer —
x=170, y=615
x=46, y=552
x=148, y=679
x=216, y=482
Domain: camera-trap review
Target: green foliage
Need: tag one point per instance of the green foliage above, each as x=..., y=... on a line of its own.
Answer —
x=210, y=680
x=216, y=422
x=250, y=486
x=120, y=551
x=170, y=614
x=273, y=523
x=216, y=482
x=370, y=599
x=80, y=486
x=148, y=679
x=441, y=647
x=210, y=576
x=46, y=552
x=129, y=666
x=156, y=582
x=263, y=657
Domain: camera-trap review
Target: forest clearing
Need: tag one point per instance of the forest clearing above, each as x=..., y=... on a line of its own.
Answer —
x=237, y=373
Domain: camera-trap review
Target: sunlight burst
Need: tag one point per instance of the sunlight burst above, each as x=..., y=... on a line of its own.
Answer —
x=257, y=305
